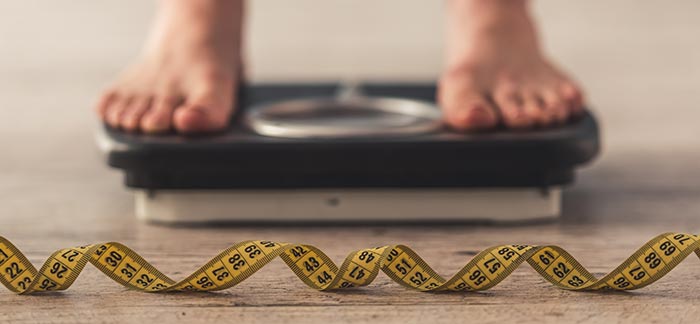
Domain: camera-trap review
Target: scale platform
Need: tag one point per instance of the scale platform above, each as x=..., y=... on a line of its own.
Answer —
x=397, y=166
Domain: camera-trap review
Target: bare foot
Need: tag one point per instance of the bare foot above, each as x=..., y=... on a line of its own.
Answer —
x=186, y=79
x=496, y=73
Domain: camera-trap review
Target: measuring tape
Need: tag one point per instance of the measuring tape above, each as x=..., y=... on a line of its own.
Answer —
x=488, y=268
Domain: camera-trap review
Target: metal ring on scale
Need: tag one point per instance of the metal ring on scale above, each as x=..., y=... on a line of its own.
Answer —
x=349, y=114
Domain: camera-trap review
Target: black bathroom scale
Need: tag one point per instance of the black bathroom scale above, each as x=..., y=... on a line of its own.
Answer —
x=353, y=152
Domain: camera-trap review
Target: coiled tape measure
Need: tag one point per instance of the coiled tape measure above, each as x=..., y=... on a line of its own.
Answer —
x=488, y=268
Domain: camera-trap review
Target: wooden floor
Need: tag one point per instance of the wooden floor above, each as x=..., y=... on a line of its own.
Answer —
x=55, y=191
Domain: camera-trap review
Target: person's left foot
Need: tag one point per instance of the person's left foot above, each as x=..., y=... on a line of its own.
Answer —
x=496, y=73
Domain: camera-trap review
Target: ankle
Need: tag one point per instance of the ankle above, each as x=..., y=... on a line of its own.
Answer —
x=479, y=29
x=486, y=14
x=489, y=6
x=207, y=18
x=197, y=26
x=216, y=9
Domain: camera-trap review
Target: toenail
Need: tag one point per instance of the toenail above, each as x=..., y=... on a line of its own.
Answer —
x=475, y=117
x=153, y=125
x=477, y=108
x=518, y=121
x=130, y=124
x=154, y=128
x=475, y=113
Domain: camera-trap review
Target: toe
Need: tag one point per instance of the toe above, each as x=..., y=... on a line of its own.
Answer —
x=511, y=105
x=207, y=112
x=104, y=102
x=115, y=111
x=131, y=118
x=465, y=108
x=573, y=98
x=534, y=106
x=193, y=118
x=158, y=118
x=475, y=114
x=555, y=106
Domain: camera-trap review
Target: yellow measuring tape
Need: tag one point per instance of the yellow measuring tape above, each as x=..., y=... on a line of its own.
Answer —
x=489, y=267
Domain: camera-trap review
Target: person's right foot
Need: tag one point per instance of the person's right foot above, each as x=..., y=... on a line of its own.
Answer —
x=187, y=77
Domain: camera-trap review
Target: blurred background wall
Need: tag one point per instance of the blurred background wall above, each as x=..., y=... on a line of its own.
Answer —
x=638, y=60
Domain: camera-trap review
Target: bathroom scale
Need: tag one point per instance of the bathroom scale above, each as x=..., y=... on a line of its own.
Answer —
x=366, y=152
